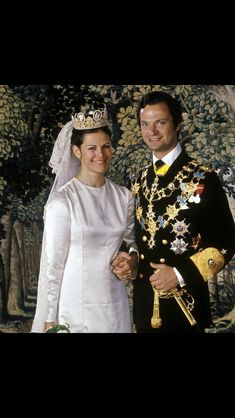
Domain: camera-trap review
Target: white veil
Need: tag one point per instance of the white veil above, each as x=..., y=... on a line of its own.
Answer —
x=66, y=166
x=63, y=162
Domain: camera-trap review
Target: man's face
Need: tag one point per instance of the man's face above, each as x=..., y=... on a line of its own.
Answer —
x=157, y=128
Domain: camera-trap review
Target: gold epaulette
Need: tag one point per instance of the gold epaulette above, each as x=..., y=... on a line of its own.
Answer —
x=209, y=262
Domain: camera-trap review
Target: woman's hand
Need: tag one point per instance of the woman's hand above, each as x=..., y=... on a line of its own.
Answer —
x=125, y=265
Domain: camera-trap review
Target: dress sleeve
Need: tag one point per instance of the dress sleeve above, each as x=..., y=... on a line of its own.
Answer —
x=57, y=239
x=129, y=236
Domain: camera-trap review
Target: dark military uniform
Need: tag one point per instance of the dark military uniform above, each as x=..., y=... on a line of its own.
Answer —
x=182, y=220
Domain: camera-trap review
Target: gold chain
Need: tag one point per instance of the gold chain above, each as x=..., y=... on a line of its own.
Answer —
x=151, y=224
x=165, y=191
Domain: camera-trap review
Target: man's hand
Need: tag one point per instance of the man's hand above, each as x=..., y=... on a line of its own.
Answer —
x=163, y=277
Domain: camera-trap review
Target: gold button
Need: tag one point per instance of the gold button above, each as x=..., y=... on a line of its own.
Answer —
x=162, y=260
x=144, y=238
x=164, y=241
x=142, y=256
x=141, y=276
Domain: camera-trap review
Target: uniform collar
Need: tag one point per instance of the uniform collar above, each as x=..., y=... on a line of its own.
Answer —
x=171, y=156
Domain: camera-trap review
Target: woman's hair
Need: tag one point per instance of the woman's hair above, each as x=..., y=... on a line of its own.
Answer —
x=155, y=97
x=78, y=134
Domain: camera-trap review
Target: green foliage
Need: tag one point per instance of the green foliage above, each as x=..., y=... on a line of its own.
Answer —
x=22, y=109
x=13, y=127
x=33, y=211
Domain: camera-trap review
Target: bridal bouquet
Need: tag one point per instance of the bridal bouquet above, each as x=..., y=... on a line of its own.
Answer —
x=58, y=329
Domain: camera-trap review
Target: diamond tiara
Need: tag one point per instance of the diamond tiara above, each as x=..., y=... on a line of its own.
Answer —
x=94, y=119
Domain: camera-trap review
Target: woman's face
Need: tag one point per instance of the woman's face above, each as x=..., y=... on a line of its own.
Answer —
x=95, y=153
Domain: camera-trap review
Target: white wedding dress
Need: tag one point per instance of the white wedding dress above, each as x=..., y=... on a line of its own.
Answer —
x=84, y=228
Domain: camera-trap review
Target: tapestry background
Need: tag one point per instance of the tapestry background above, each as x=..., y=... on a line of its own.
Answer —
x=31, y=117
